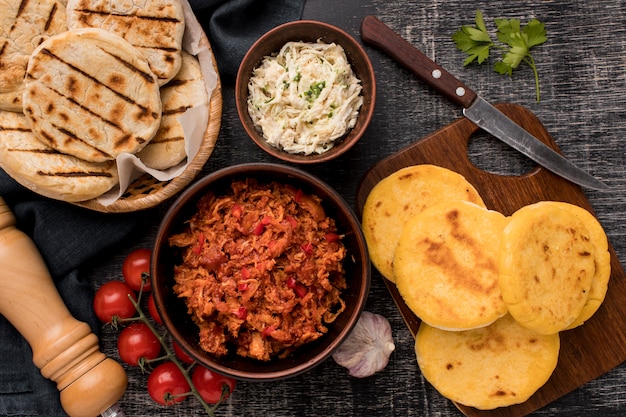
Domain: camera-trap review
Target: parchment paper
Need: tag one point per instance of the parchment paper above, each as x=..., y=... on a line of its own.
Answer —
x=194, y=121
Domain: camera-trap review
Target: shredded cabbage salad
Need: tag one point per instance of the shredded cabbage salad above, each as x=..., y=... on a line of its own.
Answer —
x=304, y=98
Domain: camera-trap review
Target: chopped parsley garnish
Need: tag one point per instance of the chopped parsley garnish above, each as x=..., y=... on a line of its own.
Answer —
x=314, y=91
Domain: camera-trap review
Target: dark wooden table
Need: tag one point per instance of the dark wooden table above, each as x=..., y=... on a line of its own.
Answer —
x=583, y=81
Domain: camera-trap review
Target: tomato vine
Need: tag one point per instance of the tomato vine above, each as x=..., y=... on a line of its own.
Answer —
x=116, y=313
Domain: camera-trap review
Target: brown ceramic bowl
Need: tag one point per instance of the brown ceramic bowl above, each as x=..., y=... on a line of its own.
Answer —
x=307, y=31
x=173, y=310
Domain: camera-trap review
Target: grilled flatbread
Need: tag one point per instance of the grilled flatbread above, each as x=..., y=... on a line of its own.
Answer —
x=90, y=94
x=187, y=90
x=547, y=264
x=46, y=171
x=399, y=197
x=24, y=26
x=154, y=27
x=495, y=366
x=600, y=281
x=446, y=265
x=12, y=100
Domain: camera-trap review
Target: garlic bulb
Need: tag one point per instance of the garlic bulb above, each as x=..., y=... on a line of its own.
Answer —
x=367, y=349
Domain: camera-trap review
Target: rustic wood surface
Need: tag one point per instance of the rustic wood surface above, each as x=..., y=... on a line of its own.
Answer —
x=600, y=340
x=583, y=78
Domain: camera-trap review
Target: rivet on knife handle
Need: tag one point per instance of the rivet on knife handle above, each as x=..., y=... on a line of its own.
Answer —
x=376, y=33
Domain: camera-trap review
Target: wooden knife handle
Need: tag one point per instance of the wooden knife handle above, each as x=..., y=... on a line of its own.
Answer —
x=376, y=33
x=64, y=349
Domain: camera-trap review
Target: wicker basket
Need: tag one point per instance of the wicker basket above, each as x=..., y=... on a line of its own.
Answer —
x=146, y=191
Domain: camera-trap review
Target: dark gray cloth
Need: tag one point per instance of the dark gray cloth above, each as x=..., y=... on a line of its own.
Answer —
x=232, y=26
x=68, y=236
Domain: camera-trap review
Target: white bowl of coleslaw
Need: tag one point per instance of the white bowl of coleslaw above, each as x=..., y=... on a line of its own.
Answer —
x=305, y=92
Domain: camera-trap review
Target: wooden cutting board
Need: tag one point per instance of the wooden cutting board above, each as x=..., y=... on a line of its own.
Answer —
x=587, y=351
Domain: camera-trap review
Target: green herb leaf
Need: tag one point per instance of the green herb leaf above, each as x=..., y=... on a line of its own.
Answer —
x=536, y=32
x=314, y=91
x=518, y=51
x=515, y=40
x=474, y=41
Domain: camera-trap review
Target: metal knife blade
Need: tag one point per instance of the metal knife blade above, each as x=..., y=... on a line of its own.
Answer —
x=475, y=108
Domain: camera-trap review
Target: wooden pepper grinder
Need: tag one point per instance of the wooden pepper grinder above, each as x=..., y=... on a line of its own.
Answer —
x=64, y=349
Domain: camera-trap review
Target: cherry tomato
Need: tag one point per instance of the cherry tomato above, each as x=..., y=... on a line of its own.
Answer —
x=137, y=341
x=181, y=354
x=152, y=309
x=166, y=384
x=136, y=264
x=111, y=300
x=210, y=384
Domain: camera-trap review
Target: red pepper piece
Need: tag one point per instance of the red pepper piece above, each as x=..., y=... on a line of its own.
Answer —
x=300, y=290
x=241, y=312
x=293, y=222
x=298, y=197
x=332, y=237
x=260, y=226
x=291, y=283
x=268, y=331
x=237, y=211
x=198, y=247
x=258, y=229
x=245, y=273
x=307, y=248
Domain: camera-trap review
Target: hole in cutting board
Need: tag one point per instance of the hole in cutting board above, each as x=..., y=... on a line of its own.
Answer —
x=482, y=147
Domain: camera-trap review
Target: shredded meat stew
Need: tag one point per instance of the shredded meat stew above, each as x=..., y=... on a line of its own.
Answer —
x=261, y=270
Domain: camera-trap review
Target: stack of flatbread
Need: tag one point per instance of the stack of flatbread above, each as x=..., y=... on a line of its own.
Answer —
x=87, y=81
x=493, y=292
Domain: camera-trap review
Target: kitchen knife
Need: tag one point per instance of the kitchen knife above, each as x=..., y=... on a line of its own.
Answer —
x=475, y=108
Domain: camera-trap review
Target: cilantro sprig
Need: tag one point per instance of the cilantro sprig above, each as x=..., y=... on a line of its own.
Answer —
x=514, y=40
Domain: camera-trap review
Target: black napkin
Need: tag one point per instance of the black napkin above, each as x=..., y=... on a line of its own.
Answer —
x=69, y=236
x=232, y=26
